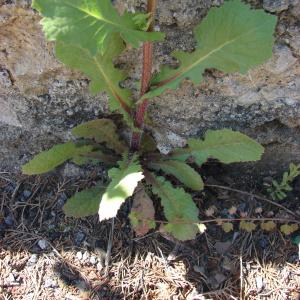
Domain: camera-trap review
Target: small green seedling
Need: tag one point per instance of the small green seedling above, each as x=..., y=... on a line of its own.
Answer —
x=89, y=35
x=278, y=191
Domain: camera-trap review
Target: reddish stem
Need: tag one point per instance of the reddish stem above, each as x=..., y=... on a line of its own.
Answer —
x=146, y=78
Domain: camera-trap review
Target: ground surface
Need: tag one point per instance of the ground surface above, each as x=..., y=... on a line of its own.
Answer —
x=44, y=255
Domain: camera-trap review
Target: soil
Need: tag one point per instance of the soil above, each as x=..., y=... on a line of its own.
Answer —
x=45, y=255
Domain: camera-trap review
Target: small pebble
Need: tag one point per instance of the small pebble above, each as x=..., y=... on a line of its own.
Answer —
x=199, y=269
x=43, y=244
x=86, y=255
x=50, y=283
x=26, y=194
x=9, y=221
x=33, y=259
x=79, y=238
x=93, y=260
x=11, y=278
x=61, y=200
x=79, y=255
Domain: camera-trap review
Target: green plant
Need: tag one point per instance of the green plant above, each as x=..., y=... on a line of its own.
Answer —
x=89, y=35
x=278, y=191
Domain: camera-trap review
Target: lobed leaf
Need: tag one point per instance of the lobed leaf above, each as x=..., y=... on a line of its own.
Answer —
x=179, y=208
x=247, y=226
x=85, y=203
x=288, y=229
x=227, y=227
x=183, y=172
x=102, y=131
x=232, y=38
x=100, y=69
x=225, y=145
x=48, y=160
x=90, y=24
x=268, y=226
x=124, y=180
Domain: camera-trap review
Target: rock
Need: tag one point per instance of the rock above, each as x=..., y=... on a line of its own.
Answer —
x=9, y=220
x=50, y=283
x=276, y=5
x=199, y=269
x=93, y=260
x=222, y=247
x=33, y=259
x=11, y=278
x=86, y=255
x=41, y=100
x=259, y=284
x=79, y=238
x=61, y=200
x=43, y=244
x=79, y=255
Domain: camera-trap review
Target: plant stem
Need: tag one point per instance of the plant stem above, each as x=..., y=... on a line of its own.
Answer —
x=146, y=78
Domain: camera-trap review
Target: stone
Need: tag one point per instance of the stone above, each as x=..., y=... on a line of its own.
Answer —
x=276, y=5
x=41, y=100
x=43, y=244
x=33, y=259
x=79, y=255
x=50, y=283
x=85, y=255
x=93, y=260
x=79, y=238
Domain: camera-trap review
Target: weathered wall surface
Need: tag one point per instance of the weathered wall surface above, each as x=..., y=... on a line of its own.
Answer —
x=40, y=100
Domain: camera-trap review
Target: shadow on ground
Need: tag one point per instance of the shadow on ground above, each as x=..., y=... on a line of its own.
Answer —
x=45, y=255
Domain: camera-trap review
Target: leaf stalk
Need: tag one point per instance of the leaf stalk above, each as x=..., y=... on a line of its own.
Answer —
x=141, y=110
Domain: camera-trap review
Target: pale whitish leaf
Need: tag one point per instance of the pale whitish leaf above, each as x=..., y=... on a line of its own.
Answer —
x=179, y=208
x=227, y=227
x=102, y=131
x=289, y=229
x=102, y=73
x=183, y=172
x=247, y=226
x=50, y=159
x=268, y=226
x=142, y=212
x=85, y=203
x=225, y=145
x=124, y=180
x=210, y=211
x=232, y=38
x=90, y=24
x=201, y=227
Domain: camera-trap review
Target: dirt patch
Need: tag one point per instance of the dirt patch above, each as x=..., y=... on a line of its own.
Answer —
x=44, y=255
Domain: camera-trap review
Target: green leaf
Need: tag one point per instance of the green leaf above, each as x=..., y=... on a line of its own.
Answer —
x=232, y=38
x=57, y=155
x=179, y=208
x=124, y=180
x=95, y=157
x=90, y=24
x=100, y=69
x=148, y=144
x=183, y=172
x=85, y=203
x=102, y=131
x=225, y=145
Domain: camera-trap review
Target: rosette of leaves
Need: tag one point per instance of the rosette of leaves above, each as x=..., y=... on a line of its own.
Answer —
x=89, y=35
x=98, y=142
